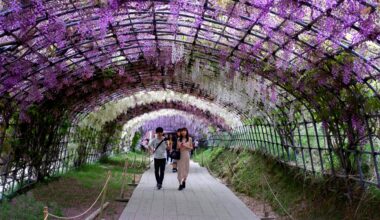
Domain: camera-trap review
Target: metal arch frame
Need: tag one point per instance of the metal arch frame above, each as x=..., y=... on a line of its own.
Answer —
x=123, y=92
x=323, y=164
x=134, y=112
x=285, y=96
x=197, y=117
x=173, y=83
x=193, y=85
x=123, y=48
x=173, y=127
x=272, y=81
x=225, y=25
x=373, y=9
x=188, y=81
x=311, y=157
x=86, y=59
x=285, y=106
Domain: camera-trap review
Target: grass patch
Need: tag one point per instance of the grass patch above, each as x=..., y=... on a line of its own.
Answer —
x=75, y=191
x=26, y=207
x=304, y=197
x=137, y=159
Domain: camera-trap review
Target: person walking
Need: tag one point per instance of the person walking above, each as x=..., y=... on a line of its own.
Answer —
x=174, y=147
x=170, y=145
x=158, y=147
x=185, y=145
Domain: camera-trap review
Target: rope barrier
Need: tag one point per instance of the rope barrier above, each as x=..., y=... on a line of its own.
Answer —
x=47, y=214
x=103, y=198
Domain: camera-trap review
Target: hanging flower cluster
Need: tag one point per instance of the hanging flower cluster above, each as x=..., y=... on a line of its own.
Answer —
x=255, y=94
x=112, y=110
x=261, y=51
x=197, y=126
x=40, y=27
x=166, y=118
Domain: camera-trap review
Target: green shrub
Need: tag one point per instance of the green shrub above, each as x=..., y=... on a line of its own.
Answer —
x=135, y=140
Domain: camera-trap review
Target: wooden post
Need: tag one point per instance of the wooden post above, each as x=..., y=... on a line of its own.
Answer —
x=202, y=158
x=148, y=155
x=134, y=173
x=104, y=196
x=142, y=161
x=133, y=183
x=134, y=178
x=265, y=211
x=263, y=195
x=46, y=213
x=123, y=179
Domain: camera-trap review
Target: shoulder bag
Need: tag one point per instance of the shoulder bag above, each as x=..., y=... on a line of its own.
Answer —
x=158, y=145
x=175, y=154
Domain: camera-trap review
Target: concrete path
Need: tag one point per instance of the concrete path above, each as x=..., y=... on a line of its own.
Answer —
x=203, y=198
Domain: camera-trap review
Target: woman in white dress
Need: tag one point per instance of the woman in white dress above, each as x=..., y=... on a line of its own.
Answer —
x=185, y=145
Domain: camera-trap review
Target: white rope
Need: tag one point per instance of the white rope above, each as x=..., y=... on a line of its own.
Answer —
x=74, y=217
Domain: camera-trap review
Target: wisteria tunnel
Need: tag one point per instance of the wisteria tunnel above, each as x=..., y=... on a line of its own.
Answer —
x=296, y=80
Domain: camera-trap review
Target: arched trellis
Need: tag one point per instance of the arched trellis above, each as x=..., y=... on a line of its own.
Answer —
x=306, y=145
x=113, y=96
x=209, y=5
x=93, y=90
x=197, y=129
x=284, y=42
x=184, y=109
x=180, y=107
x=157, y=98
x=90, y=96
x=229, y=26
x=186, y=114
x=173, y=119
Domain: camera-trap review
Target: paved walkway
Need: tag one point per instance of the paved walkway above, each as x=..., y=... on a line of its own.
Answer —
x=203, y=198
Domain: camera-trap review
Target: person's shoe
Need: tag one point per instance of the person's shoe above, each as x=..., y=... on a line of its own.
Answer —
x=180, y=187
x=184, y=184
x=159, y=186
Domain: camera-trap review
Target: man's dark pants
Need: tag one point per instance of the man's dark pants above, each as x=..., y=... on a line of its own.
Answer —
x=159, y=169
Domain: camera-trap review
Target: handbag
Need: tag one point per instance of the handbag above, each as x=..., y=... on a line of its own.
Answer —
x=175, y=154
